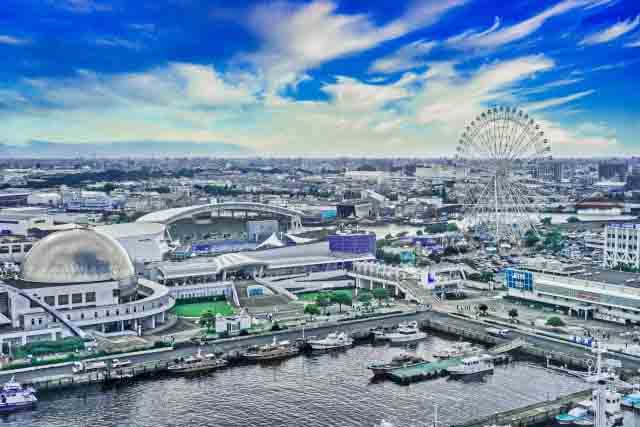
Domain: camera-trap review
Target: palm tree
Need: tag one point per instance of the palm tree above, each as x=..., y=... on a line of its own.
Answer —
x=208, y=319
x=513, y=314
x=483, y=308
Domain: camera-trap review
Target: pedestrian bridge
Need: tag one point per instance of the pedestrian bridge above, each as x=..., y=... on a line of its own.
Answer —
x=169, y=216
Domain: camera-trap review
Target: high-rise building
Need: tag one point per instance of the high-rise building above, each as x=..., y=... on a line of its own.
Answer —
x=549, y=171
x=613, y=170
x=622, y=245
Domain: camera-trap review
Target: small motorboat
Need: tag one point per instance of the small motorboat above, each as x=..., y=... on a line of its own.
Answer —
x=406, y=333
x=273, y=351
x=404, y=360
x=333, y=341
x=15, y=397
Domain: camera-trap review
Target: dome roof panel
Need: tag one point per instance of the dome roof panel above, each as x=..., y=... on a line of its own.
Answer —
x=77, y=256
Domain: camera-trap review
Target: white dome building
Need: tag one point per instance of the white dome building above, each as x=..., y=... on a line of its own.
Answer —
x=86, y=279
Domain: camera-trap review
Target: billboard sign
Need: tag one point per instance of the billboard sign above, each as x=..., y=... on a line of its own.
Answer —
x=517, y=279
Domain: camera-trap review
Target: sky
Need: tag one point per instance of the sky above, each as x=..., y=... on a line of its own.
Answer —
x=319, y=77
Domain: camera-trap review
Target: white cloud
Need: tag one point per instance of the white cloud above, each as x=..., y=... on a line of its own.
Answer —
x=496, y=36
x=81, y=6
x=450, y=99
x=353, y=95
x=117, y=42
x=613, y=32
x=634, y=43
x=554, y=102
x=406, y=58
x=551, y=85
x=4, y=39
x=296, y=38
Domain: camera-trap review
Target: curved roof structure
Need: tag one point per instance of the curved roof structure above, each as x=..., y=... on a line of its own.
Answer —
x=169, y=216
x=77, y=256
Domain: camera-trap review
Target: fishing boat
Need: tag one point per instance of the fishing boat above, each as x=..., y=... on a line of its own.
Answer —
x=458, y=349
x=197, y=363
x=15, y=397
x=273, y=351
x=406, y=333
x=474, y=365
x=118, y=364
x=333, y=341
x=404, y=360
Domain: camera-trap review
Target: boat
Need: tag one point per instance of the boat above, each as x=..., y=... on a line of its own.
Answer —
x=473, y=365
x=406, y=333
x=118, y=364
x=632, y=399
x=15, y=397
x=458, y=349
x=404, y=360
x=273, y=351
x=333, y=341
x=197, y=363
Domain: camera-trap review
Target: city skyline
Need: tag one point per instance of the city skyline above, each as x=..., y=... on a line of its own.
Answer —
x=319, y=78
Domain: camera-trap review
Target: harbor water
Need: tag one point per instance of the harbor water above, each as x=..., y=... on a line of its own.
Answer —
x=333, y=389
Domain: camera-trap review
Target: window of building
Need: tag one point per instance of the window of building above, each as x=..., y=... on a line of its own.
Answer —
x=33, y=321
x=82, y=316
x=4, y=249
x=16, y=249
x=63, y=299
x=90, y=297
x=107, y=313
x=76, y=298
x=28, y=247
x=95, y=314
x=39, y=321
x=116, y=293
x=50, y=299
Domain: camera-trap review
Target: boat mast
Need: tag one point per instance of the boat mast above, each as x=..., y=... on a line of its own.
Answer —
x=600, y=393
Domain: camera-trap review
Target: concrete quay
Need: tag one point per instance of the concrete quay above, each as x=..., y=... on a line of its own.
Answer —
x=538, y=413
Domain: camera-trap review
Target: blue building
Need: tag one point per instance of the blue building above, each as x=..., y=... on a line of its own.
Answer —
x=355, y=243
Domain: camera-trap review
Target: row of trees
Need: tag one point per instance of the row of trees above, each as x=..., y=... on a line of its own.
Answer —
x=551, y=240
x=343, y=298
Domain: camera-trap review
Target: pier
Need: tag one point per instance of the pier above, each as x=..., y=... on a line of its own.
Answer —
x=537, y=413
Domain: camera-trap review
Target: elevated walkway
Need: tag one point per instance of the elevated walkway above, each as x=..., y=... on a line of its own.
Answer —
x=52, y=311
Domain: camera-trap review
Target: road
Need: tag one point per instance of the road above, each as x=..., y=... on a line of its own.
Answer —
x=229, y=345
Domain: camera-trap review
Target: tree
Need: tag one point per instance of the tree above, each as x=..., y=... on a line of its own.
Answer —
x=312, y=310
x=208, y=319
x=553, y=241
x=388, y=236
x=341, y=298
x=381, y=294
x=555, y=322
x=486, y=276
x=419, y=233
x=452, y=227
x=513, y=314
x=531, y=238
x=546, y=221
x=483, y=308
x=323, y=300
x=573, y=219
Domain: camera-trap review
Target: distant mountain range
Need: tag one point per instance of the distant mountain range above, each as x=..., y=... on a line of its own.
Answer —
x=46, y=149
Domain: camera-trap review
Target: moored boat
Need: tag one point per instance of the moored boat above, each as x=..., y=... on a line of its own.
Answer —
x=273, y=351
x=474, y=365
x=458, y=349
x=406, y=333
x=197, y=363
x=333, y=341
x=15, y=397
x=404, y=360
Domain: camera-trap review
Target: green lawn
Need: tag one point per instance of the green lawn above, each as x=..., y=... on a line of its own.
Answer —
x=196, y=309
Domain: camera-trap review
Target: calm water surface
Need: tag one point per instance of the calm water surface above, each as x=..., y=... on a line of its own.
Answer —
x=324, y=390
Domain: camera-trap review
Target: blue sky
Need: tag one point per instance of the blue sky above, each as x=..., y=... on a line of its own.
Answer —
x=375, y=78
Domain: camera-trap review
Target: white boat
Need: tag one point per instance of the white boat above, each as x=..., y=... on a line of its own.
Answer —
x=472, y=366
x=333, y=341
x=273, y=351
x=458, y=349
x=406, y=333
x=14, y=397
x=583, y=414
x=117, y=363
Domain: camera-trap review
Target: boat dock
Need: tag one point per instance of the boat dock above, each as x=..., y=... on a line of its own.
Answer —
x=538, y=413
x=422, y=371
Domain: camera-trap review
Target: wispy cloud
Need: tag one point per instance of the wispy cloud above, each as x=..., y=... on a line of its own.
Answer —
x=554, y=102
x=118, y=43
x=633, y=43
x=297, y=37
x=613, y=32
x=4, y=39
x=406, y=58
x=81, y=6
x=551, y=85
x=498, y=36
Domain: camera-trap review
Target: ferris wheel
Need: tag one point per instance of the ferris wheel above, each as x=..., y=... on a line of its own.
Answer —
x=497, y=148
